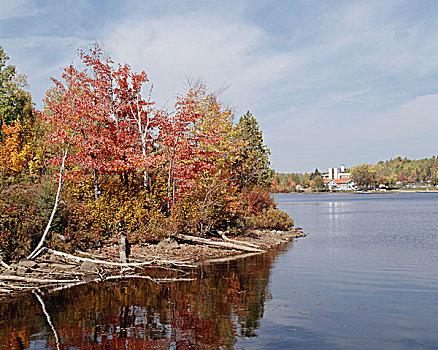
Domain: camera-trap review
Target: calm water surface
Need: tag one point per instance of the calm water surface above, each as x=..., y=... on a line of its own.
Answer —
x=365, y=278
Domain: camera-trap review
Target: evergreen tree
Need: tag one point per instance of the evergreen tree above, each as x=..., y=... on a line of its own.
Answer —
x=254, y=162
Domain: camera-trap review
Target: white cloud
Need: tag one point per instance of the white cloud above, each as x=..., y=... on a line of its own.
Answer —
x=411, y=118
x=16, y=8
x=171, y=48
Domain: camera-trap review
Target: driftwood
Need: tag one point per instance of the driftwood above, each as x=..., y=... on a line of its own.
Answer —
x=12, y=286
x=226, y=259
x=116, y=264
x=34, y=280
x=241, y=242
x=225, y=238
x=219, y=244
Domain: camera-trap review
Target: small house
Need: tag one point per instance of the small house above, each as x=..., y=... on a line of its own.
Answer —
x=340, y=184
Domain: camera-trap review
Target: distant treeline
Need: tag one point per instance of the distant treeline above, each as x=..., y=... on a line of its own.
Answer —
x=283, y=183
x=397, y=171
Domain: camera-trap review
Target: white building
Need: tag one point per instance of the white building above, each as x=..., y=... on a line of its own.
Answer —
x=340, y=184
x=337, y=173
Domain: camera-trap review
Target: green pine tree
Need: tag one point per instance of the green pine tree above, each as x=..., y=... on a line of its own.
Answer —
x=254, y=164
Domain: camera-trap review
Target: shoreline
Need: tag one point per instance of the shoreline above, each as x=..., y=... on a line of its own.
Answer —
x=170, y=260
x=362, y=192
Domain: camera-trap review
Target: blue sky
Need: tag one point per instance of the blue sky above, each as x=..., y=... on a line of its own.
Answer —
x=330, y=82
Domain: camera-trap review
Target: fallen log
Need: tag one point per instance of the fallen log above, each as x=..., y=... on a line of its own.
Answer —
x=218, y=244
x=225, y=238
x=226, y=259
x=34, y=280
x=112, y=263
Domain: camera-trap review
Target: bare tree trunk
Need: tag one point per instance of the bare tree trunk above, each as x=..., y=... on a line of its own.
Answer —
x=36, y=251
x=143, y=130
x=169, y=187
x=96, y=185
x=145, y=181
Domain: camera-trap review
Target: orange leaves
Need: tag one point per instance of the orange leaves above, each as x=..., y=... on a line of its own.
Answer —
x=15, y=153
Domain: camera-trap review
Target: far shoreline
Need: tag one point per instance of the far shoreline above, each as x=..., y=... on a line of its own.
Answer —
x=361, y=192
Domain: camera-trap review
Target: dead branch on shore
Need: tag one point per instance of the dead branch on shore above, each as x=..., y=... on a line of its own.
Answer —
x=225, y=238
x=218, y=244
x=13, y=286
x=34, y=280
x=226, y=259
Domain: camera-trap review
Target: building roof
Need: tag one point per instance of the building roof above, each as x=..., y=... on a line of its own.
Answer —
x=338, y=181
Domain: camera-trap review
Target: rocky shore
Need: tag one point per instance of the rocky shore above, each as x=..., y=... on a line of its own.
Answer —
x=170, y=260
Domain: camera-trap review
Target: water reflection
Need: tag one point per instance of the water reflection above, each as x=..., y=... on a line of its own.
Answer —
x=335, y=211
x=226, y=301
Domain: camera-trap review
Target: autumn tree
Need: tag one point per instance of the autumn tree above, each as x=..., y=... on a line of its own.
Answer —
x=15, y=152
x=16, y=121
x=15, y=101
x=318, y=183
x=221, y=144
x=363, y=175
x=114, y=126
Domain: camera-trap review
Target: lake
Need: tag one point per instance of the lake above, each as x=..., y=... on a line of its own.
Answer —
x=365, y=278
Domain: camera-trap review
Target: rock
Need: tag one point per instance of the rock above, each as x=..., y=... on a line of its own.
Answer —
x=61, y=266
x=22, y=270
x=9, y=272
x=89, y=267
x=168, y=244
x=28, y=263
x=87, y=278
x=53, y=258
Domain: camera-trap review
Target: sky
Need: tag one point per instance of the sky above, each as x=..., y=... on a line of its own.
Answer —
x=330, y=81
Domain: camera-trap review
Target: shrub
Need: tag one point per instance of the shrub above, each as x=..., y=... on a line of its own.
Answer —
x=119, y=209
x=24, y=213
x=254, y=200
x=272, y=218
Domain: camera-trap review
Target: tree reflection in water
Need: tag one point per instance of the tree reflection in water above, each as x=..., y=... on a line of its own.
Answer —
x=225, y=302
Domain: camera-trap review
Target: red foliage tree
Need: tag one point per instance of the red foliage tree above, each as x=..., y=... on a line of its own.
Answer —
x=102, y=106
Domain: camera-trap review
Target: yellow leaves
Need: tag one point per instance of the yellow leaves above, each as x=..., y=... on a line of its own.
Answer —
x=14, y=152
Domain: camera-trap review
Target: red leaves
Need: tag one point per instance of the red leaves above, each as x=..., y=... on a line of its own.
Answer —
x=103, y=108
x=114, y=130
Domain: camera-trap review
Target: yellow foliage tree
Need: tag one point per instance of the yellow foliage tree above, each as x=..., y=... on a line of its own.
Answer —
x=15, y=152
